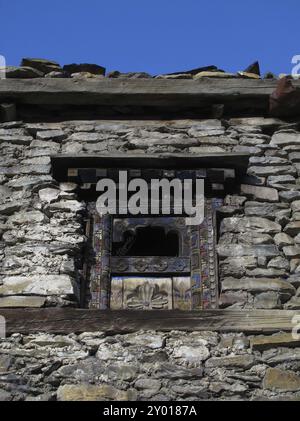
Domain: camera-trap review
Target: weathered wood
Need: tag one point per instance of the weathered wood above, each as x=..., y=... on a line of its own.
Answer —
x=8, y=112
x=78, y=320
x=142, y=92
x=61, y=163
x=150, y=265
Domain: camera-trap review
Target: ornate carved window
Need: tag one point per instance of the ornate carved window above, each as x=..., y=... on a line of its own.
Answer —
x=148, y=262
x=176, y=267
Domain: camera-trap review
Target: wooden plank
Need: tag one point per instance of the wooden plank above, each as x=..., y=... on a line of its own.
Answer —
x=67, y=320
x=61, y=163
x=142, y=92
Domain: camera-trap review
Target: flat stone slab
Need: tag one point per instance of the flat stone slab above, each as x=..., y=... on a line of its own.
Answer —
x=22, y=301
x=261, y=193
x=37, y=285
x=257, y=285
x=262, y=343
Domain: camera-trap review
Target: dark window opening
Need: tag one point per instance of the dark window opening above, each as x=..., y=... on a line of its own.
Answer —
x=147, y=241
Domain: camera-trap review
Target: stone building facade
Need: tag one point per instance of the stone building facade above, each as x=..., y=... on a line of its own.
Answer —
x=250, y=257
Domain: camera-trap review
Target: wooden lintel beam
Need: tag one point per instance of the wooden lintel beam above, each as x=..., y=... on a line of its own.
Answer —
x=61, y=163
x=139, y=92
x=67, y=320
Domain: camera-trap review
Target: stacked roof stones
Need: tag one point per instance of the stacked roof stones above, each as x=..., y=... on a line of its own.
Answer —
x=37, y=68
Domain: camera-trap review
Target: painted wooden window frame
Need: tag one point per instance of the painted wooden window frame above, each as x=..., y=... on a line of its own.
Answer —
x=202, y=258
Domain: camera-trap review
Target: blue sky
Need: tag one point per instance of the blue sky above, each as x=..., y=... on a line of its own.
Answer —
x=157, y=36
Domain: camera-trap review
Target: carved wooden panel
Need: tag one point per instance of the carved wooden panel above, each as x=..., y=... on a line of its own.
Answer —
x=204, y=265
x=100, y=270
x=150, y=293
x=182, y=293
x=121, y=265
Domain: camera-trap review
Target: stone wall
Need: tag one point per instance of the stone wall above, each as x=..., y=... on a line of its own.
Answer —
x=150, y=366
x=42, y=238
x=41, y=221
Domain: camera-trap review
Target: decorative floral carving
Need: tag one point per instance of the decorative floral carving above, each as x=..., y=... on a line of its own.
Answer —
x=141, y=265
x=147, y=296
x=159, y=265
x=121, y=265
x=179, y=265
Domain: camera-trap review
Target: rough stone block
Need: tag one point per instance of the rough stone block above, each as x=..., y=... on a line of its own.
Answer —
x=89, y=392
x=266, y=273
x=22, y=301
x=67, y=206
x=266, y=170
x=251, y=150
x=283, y=139
x=246, y=224
x=267, y=300
x=289, y=196
x=238, y=250
x=267, y=160
x=266, y=210
x=294, y=156
x=37, y=285
x=291, y=251
x=265, y=194
x=84, y=67
x=293, y=228
x=280, y=179
x=27, y=217
x=49, y=195
x=54, y=135
x=205, y=149
x=281, y=380
x=24, y=72
x=279, y=263
x=231, y=361
x=236, y=266
x=42, y=65
x=258, y=285
x=15, y=139
x=33, y=128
